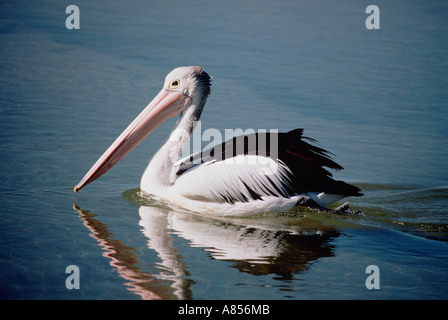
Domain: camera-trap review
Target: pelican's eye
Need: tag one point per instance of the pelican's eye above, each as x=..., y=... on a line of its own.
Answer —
x=174, y=84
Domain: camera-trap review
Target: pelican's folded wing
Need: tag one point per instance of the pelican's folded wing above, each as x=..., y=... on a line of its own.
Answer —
x=237, y=179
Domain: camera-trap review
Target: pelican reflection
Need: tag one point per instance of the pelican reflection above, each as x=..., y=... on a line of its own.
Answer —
x=260, y=246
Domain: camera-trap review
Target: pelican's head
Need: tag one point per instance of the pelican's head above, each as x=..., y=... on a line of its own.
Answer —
x=190, y=81
x=183, y=87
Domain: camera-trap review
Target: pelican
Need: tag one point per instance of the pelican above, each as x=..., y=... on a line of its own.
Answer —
x=276, y=173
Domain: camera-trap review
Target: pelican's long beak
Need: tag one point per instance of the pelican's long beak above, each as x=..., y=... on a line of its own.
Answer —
x=164, y=106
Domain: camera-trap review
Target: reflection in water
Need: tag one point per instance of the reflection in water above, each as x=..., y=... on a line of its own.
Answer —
x=123, y=260
x=256, y=246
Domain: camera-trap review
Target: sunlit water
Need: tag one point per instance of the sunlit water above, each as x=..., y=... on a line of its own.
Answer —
x=374, y=98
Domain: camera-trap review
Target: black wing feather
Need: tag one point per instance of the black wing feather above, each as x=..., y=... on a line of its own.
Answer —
x=305, y=161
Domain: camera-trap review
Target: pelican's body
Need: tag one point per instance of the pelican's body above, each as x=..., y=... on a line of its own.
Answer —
x=245, y=175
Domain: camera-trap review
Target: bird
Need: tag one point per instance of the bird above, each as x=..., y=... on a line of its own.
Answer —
x=245, y=175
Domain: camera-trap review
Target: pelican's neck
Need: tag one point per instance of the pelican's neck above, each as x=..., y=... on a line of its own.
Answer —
x=157, y=175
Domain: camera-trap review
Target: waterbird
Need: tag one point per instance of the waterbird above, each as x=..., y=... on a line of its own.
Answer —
x=248, y=174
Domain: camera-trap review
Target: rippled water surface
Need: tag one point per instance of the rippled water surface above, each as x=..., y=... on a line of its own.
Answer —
x=375, y=98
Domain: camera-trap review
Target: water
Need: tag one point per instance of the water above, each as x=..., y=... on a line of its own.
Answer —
x=375, y=98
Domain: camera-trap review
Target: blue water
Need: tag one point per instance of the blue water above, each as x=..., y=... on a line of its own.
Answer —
x=377, y=99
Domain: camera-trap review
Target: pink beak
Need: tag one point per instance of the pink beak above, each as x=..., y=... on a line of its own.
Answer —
x=164, y=106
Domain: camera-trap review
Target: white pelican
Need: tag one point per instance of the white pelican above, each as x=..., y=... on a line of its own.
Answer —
x=227, y=179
